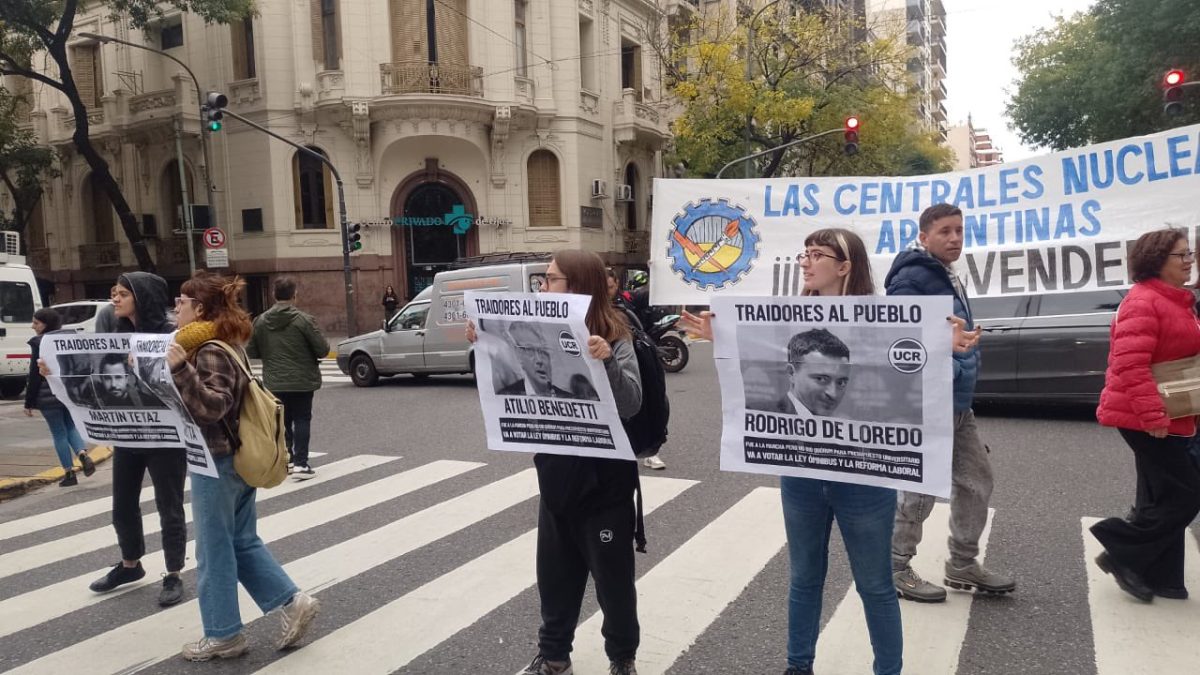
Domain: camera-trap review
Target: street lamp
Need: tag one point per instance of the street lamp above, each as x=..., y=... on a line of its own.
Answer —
x=208, y=183
x=750, y=72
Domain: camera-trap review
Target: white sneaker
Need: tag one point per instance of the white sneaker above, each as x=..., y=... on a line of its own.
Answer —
x=653, y=462
x=296, y=617
x=207, y=649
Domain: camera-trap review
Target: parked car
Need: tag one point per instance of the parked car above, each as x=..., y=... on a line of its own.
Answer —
x=428, y=336
x=1049, y=348
x=80, y=316
x=19, y=299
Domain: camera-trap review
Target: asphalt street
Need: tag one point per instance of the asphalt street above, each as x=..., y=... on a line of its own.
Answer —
x=412, y=579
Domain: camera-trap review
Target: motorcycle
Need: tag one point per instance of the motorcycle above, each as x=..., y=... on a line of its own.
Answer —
x=672, y=349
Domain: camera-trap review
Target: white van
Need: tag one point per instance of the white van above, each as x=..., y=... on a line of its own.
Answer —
x=428, y=336
x=19, y=299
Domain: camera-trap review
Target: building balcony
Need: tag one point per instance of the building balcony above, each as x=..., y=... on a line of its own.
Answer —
x=683, y=9
x=331, y=86
x=637, y=122
x=939, y=113
x=172, y=251
x=523, y=89
x=104, y=254
x=422, y=77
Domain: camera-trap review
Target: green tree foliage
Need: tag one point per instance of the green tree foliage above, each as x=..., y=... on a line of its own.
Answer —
x=24, y=164
x=1097, y=76
x=36, y=27
x=808, y=72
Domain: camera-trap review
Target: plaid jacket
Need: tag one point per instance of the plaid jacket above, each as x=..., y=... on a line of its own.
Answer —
x=212, y=386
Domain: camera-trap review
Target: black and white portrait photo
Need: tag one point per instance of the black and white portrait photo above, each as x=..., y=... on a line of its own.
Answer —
x=535, y=361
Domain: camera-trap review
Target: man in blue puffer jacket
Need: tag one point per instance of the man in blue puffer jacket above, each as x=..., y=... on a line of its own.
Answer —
x=925, y=269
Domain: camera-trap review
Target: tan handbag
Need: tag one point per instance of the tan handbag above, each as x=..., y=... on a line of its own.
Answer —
x=1179, y=385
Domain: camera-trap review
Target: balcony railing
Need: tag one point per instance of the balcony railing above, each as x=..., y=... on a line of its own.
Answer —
x=105, y=254
x=421, y=77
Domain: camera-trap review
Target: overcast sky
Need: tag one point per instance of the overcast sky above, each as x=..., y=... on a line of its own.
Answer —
x=979, y=50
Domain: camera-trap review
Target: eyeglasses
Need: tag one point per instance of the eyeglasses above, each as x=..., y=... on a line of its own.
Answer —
x=1185, y=255
x=817, y=256
x=182, y=299
x=556, y=277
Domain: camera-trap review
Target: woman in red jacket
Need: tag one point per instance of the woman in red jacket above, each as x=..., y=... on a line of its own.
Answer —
x=1155, y=323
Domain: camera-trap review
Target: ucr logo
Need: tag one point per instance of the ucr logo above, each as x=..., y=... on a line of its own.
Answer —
x=907, y=355
x=568, y=343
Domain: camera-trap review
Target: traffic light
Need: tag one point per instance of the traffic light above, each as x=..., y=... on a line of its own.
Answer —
x=851, y=135
x=353, y=238
x=212, y=110
x=1173, y=92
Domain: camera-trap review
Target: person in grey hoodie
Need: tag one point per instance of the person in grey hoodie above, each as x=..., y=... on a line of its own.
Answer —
x=291, y=348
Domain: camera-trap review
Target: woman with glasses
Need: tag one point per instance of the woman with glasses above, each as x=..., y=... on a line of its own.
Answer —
x=1156, y=322
x=584, y=495
x=834, y=262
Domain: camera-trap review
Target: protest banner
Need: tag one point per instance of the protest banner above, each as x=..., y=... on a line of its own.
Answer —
x=120, y=392
x=539, y=388
x=1056, y=223
x=855, y=389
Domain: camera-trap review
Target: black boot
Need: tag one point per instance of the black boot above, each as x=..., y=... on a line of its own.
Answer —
x=68, y=480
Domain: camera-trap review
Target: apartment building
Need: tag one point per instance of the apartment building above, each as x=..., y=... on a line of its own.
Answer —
x=972, y=146
x=924, y=24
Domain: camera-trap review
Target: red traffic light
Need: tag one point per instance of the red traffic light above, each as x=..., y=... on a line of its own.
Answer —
x=852, y=122
x=1174, y=78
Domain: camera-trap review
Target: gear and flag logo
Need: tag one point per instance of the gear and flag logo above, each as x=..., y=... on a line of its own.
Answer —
x=712, y=244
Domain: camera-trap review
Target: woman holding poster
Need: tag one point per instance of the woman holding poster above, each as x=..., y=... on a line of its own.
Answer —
x=584, y=495
x=1155, y=323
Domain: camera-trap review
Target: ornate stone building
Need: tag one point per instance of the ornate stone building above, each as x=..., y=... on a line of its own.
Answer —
x=459, y=128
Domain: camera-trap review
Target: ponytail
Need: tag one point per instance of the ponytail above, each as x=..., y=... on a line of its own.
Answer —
x=219, y=298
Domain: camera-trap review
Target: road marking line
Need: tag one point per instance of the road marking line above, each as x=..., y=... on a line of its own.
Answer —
x=1141, y=637
x=49, y=602
x=933, y=633
x=159, y=636
x=679, y=598
x=388, y=638
x=25, y=559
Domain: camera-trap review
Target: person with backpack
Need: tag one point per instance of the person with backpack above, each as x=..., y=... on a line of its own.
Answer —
x=835, y=263
x=67, y=441
x=584, y=495
x=635, y=306
x=213, y=385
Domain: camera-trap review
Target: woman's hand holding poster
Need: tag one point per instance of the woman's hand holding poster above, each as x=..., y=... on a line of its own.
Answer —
x=539, y=388
x=852, y=389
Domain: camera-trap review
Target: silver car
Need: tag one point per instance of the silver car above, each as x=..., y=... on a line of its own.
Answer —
x=1049, y=348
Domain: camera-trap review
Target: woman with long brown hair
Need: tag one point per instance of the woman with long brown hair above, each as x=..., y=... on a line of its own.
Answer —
x=586, y=495
x=228, y=549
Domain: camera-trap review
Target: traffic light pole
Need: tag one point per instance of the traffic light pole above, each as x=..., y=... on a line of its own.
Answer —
x=351, y=323
x=789, y=144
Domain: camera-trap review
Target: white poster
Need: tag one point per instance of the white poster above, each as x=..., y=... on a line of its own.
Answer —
x=539, y=388
x=852, y=389
x=120, y=392
x=1049, y=224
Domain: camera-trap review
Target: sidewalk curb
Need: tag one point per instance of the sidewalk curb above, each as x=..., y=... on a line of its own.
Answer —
x=15, y=487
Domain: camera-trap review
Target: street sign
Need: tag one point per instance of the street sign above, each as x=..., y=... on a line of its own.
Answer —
x=214, y=237
x=216, y=257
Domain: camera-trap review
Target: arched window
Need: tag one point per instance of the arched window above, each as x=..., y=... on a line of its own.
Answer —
x=173, y=195
x=97, y=213
x=313, y=191
x=545, y=206
x=631, y=206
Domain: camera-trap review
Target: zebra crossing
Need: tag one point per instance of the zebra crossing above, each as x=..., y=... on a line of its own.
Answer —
x=330, y=373
x=374, y=516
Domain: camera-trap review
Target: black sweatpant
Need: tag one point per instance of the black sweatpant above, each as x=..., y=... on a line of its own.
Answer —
x=1168, y=482
x=569, y=547
x=297, y=423
x=168, y=471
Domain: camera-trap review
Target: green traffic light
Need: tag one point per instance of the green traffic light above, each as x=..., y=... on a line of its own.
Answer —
x=214, y=126
x=356, y=246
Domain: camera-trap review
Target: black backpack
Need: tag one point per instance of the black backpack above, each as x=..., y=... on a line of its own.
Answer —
x=647, y=430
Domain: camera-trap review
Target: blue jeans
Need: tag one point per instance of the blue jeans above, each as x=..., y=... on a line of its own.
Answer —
x=67, y=442
x=864, y=515
x=228, y=550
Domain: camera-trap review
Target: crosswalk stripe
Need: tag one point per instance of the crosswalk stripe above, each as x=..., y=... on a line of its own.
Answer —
x=85, y=542
x=69, y=514
x=933, y=633
x=710, y=571
x=159, y=636
x=1141, y=637
x=388, y=639
x=49, y=602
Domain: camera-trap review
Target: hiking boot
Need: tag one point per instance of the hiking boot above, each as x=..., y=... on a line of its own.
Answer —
x=910, y=586
x=296, y=617
x=206, y=649
x=117, y=576
x=976, y=577
x=303, y=472
x=623, y=667
x=541, y=666
x=68, y=480
x=1127, y=579
x=653, y=462
x=89, y=467
x=172, y=591
x=793, y=670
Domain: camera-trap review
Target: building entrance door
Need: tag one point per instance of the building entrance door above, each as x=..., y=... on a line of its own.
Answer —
x=431, y=212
